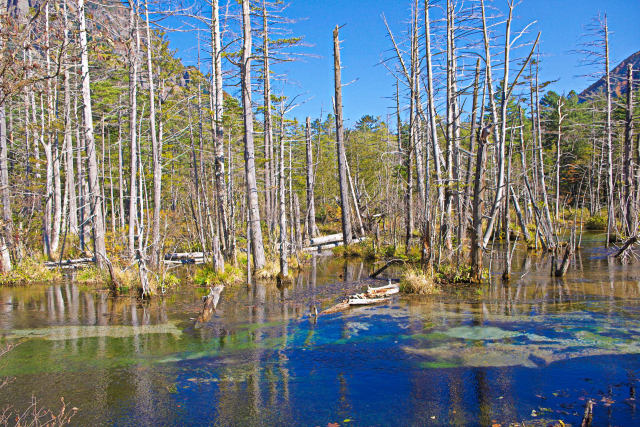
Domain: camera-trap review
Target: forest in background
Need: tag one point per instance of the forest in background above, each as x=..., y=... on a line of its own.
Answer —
x=112, y=149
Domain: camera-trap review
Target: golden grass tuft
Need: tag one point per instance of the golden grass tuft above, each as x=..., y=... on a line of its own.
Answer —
x=418, y=282
x=270, y=270
x=207, y=276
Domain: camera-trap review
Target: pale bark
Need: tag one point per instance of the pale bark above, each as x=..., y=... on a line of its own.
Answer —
x=68, y=143
x=6, y=228
x=94, y=193
x=156, y=147
x=627, y=163
x=432, y=109
x=342, y=157
x=268, y=126
x=133, y=134
x=311, y=229
x=249, y=149
x=218, y=138
x=611, y=216
x=284, y=267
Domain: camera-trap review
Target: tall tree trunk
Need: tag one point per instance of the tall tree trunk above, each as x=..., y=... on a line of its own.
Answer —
x=82, y=180
x=627, y=165
x=500, y=136
x=478, y=200
x=156, y=147
x=342, y=156
x=94, y=191
x=218, y=138
x=432, y=109
x=311, y=229
x=284, y=268
x=133, y=129
x=611, y=215
x=558, y=153
x=121, y=182
x=6, y=228
x=268, y=126
x=249, y=150
x=68, y=143
x=414, y=119
x=472, y=145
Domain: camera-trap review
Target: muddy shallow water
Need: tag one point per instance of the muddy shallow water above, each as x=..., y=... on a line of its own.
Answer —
x=534, y=349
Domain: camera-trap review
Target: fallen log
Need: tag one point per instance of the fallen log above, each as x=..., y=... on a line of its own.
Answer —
x=325, y=246
x=186, y=261
x=331, y=238
x=176, y=256
x=625, y=246
x=336, y=308
x=387, y=265
x=69, y=263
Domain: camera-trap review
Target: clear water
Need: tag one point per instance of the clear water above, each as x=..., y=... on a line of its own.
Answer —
x=531, y=351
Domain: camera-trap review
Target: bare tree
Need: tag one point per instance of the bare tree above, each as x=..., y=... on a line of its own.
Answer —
x=94, y=193
x=342, y=157
x=249, y=151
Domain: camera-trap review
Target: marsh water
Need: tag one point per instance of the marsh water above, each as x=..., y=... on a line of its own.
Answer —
x=532, y=350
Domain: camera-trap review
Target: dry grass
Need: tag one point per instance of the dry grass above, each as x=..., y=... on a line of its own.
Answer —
x=270, y=270
x=418, y=282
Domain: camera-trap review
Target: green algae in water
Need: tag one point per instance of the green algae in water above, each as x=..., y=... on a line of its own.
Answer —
x=480, y=333
x=72, y=332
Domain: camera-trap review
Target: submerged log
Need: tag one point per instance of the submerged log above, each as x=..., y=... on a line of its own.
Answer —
x=336, y=308
x=588, y=414
x=561, y=270
x=210, y=302
x=384, y=267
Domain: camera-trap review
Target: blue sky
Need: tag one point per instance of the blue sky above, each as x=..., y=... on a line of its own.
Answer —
x=365, y=44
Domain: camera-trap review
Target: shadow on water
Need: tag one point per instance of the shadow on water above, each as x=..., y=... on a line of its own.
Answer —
x=532, y=349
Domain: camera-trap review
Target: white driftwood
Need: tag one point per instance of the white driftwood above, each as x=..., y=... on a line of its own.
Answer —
x=69, y=263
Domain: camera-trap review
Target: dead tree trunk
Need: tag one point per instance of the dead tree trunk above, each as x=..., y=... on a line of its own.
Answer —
x=133, y=133
x=478, y=190
x=249, y=149
x=311, y=229
x=342, y=157
x=627, y=162
x=94, y=193
x=432, y=109
x=284, y=267
x=268, y=126
x=156, y=148
x=6, y=228
x=218, y=131
x=611, y=215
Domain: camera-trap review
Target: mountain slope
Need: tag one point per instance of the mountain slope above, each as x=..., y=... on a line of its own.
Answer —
x=618, y=79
